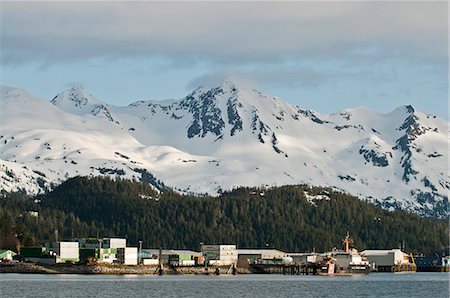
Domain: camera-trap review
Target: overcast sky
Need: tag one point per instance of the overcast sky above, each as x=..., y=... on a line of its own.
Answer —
x=325, y=56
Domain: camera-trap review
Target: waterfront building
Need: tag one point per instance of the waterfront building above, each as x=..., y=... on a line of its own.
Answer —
x=220, y=255
x=66, y=251
x=176, y=257
x=89, y=243
x=127, y=255
x=386, y=260
x=250, y=256
x=107, y=255
x=432, y=263
x=304, y=258
x=6, y=255
x=114, y=243
x=35, y=254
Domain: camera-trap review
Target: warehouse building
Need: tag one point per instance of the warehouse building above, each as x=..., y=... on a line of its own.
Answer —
x=386, y=260
x=66, y=251
x=305, y=258
x=114, y=243
x=127, y=255
x=251, y=256
x=220, y=255
x=174, y=257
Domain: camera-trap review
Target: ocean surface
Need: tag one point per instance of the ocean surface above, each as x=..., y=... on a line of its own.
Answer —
x=373, y=285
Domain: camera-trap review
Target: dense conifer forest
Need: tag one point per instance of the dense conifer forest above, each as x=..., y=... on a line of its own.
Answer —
x=281, y=217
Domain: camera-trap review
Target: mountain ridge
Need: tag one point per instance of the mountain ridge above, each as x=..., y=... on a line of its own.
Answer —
x=226, y=136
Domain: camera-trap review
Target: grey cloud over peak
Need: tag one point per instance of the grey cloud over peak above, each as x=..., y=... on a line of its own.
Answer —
x=223, y=32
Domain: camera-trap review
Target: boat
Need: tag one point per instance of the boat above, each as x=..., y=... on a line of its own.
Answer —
x=344, y=262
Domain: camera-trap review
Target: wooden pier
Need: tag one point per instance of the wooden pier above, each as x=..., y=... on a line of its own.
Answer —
x=303, y=269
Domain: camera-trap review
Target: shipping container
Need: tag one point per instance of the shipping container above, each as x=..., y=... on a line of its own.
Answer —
x=32, y=251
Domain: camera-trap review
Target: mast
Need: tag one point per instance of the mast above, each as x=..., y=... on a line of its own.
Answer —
x=347, y=242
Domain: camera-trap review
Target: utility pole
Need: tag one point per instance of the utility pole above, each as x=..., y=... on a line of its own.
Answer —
x=140, y=252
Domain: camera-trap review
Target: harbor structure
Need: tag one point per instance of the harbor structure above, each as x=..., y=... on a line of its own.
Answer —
x=37, y=254
x=66, y=251
x=6, y=255
x=389, y=260
x=108, y=249
x=299, y=258
x=88, y=243
x=254, y=254
x=262, y=256
x=346, y=261
x=174, y=257
x=127, y=255
x=432, y=263
x=220, y=255
x=114, y=243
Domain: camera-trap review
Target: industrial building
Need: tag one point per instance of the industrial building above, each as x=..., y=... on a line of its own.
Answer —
x=6, y=255
x=66, y=251
x=432, y=263
x=114, y=243
x=220, y=255
x=304, y=258
x=175, y=257
x=251, y=256
x=127, y=255
x=387, y=260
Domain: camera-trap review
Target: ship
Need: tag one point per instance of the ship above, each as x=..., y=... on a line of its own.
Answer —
x=344, y=262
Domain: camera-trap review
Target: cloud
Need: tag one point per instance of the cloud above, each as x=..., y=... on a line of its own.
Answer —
x=216, y=77
x=292, y=75
x=223, y=33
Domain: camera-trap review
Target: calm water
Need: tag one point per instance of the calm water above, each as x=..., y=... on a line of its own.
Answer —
x=373, y=285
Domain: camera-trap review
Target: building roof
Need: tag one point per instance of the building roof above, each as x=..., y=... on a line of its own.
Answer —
x=172, y=252
x=4, y=251
x=374, y=252
x=259, y=251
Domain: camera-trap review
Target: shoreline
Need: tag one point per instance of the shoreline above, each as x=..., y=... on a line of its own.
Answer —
x=29, y=268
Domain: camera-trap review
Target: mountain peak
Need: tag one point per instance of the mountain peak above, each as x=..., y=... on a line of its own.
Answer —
x=229, y=84
x=77, y=100
x=75, y=97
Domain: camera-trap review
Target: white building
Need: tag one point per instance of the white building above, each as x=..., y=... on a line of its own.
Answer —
x=220, y=255
x=107, y=255
x=303, y=258
x=66, y=251
x=386, y=258
x=249, y=256
x=114, y=243
x=262, y=253
x=127, y=255
x=183, y=254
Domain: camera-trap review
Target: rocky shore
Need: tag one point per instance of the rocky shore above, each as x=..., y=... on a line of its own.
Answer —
x=109, y=269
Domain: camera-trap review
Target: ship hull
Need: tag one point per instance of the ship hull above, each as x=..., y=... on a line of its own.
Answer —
x=353, y=269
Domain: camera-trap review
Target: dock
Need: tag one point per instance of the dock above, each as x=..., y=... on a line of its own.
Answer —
x=301, y=269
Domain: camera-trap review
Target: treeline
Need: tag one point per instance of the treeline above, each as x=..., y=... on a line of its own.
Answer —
x=280, y=217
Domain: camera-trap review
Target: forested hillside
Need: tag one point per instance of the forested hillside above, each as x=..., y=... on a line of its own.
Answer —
x=291, y=218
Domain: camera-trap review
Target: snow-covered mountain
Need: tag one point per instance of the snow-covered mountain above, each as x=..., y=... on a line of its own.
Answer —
x=221, y=137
